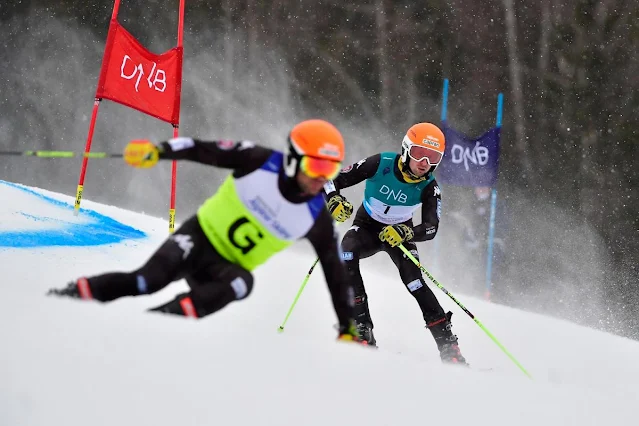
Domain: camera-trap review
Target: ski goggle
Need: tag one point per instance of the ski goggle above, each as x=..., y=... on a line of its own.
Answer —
x=420, y=153
x=319, y=167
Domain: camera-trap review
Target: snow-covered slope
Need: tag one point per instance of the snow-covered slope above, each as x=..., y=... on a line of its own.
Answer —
x=65, y=362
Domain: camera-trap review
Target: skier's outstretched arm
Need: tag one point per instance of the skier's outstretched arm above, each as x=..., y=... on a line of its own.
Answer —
x=353, y=174
x=323, y=236
x=431, y=211
x=339, y=207
x=225, y=154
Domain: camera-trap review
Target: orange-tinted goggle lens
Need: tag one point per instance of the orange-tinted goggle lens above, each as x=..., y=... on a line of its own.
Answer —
x=420, y=153
x=317, y=167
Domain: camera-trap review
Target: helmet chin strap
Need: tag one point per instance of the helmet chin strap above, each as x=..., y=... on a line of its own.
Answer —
x=408, y=175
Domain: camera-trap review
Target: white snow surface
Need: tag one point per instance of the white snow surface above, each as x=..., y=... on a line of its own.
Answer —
x=66, y=362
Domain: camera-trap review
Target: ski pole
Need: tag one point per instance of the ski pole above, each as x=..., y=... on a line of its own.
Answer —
x=441, y=287
x=297, y=296
x=61, y=154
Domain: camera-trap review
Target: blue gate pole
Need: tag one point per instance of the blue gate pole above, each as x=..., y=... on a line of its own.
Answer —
x=443, y=120
x=493, y=205
x=444, y=100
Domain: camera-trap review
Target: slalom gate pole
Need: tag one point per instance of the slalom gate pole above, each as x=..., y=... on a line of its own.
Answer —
x=173, y=189
x=297, y=296
x=62, y=154
x=493, y=208
x=87, y=147
x=180, y=42
x=441, y=287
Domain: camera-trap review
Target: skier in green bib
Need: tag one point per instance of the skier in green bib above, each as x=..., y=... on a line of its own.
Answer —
x=396, y=186
x=270, y=200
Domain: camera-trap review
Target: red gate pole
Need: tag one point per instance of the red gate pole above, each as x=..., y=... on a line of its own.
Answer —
x=87, y=148
x=180, y=40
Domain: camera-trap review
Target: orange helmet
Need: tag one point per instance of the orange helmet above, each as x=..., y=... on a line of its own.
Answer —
x=316, y=147
x=424, y=141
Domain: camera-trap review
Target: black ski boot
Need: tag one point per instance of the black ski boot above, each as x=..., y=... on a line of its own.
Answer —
x=449, y=351
x=181, y=305
x=75, y=289
x=451, y=354
x=365, y=332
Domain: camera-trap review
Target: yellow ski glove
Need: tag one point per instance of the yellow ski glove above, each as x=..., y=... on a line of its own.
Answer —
x=340, y=208
x=141, y=153
x=394, y=235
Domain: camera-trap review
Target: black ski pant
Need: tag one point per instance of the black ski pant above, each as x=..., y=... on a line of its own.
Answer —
x=360, y=243
x=214, y=281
